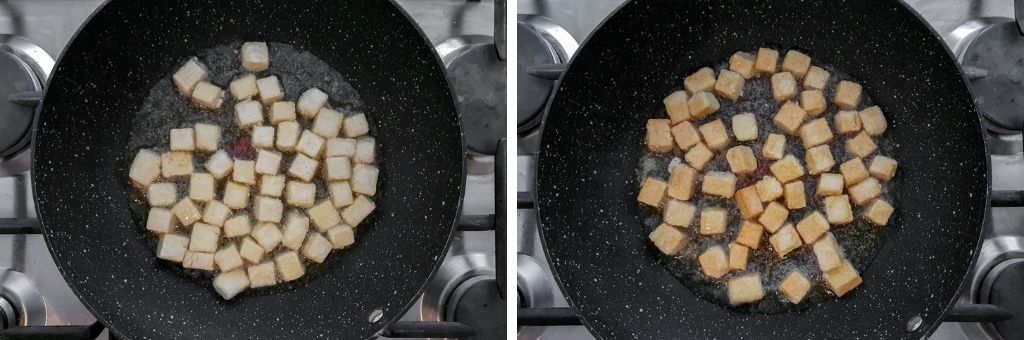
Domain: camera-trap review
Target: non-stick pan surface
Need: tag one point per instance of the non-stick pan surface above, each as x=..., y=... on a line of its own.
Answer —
x=594, y=135
x=80, y=167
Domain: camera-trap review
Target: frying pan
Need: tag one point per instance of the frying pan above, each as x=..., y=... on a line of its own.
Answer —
x=83, y=197
x=593, y=138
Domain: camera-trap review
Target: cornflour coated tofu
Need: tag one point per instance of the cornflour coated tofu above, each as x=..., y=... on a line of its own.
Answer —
x=262, y=275
x=176, y=164
x=208, y=96
x=316, y=248
x=668, y=239
x=356, y=212
x=745, y=288
x=311, y=101
x=145, y=168
x=188, y=75
x=364, y=179
x=328, y=123
x=288, y=266
x=244, y=87
x=255, y=56
x=774, y=216
x=230, y=284
x=303, y=168
x=356, y=126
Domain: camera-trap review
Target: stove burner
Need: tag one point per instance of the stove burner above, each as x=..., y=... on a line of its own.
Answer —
x=1002, y=288
x=20, y=302
x=477, y=303
x=8, y=316
x=532, y=91
x=477, y=77
x=15, y=120
x=995, y=57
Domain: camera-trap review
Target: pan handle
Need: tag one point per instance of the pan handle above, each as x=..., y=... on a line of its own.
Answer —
x=428, y=329
x=27, y=99
x=563, y=316
x=20, y=226
x=89, y=332
x=1018, y=14
x=1007, y=198
x=977, y=313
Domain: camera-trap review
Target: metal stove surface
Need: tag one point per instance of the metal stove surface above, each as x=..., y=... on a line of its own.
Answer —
x=580, y=18
x=51, y=24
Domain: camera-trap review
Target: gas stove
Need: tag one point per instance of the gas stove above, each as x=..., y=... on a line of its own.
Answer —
x=466, y=288
x=550, y=31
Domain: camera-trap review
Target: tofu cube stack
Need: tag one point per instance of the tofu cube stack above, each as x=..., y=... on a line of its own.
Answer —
x=256, y=223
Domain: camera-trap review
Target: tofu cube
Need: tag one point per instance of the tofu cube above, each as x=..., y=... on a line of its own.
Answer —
x=340, y=147
x=189, y=75
x=729, y=85
x=176, y=164
x=847, y=95
x=230, y=284
x=668, y=239
x=750, y=234
x=830, y=185
x=365, y=150
x=676, y=107
x=289, y=267
x=679, y=213
x=310, y=144
x=248, y=113
x=288, y=136
x=202, y=187
x=341, y=236
x=172, y=247
x=702, y=104
x=790, y=117
x=713, y=221
x=796, y=63
x=267, y=162
x=160, y=220
x=843, y=279
x=767, y=61
x=744, y=126
x=883, y=168
x=282, y=111
x=324, y=215
x=813, y=101
x=652, y=192
x=270, y=90
x=216, y=213
x=272, y=185
x=251, y=251
x=244, y=172
x=207, y=137
x=745, y=288
x=659, y=136
x=749, y=203
x=827, y=251
x=236, y=195
x=815, y=132
x=162, y=194
x=719, y=183
x=873, y=121
x=341, y=194
x=262, y=275
x=785, y=240
x=741, y=159
x=816, y=78
x=268, y=235
x=861, y=145
x=268, y=209
x=787, y=169
x=198, y=260
x=263, y=137
x=238, y=225
x=208, y=96
x=243, y=88
x=227, y=258
x=795, y=287
x=338, y=168
x=774, y=216
x=356, y=212
x=701, y=81
x=204, y=237
x=878, y=212
x=681, y=182
x=296, y=226
x=300, y=194
x=847, y=122
x=713, y=262
x=303, y=168
x=715, y=135
x=255, y=56
x=220, y=164
x=316, y=248
x=774, y=147
x=742, y=63
x=738, y=255
x=768, y=189
x=145, y=168
x=795, y=197
x=685, y=135
x=356, y=125
x=853, y=171
x=183, y=139
x=327, y=123
x=862, y=193
x=311, y=101
x=838, y=210
x=812, y=227
x=186, y=212
x=783, y=86
x=699, y=156
x=819, y=159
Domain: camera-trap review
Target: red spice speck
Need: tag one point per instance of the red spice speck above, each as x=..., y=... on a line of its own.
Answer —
x=242, y=149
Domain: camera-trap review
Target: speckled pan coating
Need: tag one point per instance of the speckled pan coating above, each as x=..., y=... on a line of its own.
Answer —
x=594, y=134
x=83, y=197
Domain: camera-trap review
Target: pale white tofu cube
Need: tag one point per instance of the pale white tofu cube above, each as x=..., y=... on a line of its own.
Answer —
x=338, y=168
x=183, y=139
x=356, y=212
x=679, y=213
x=830, y=185
x=244, y=172
x=744, y=127
x=283, y=111
x=208, y=96
x=262, y=275
x=741, y=159
x=713, y=221
x=248, y=113
x=251, y=251
x=270, y=90
x=847, y=95
x=827, y=251
x=160, y=220
x=198, y=260
x=745, y=288
x=296, y=226
x=310, y=144
x=263, y=137
x=702, y=80
x=715, y=135
x=356, y=125
x=189, y=75
x=787, y=169
x=364, y=179
x=227, y=258
x=768, y=189
x=176, y=164
x=172, y=247
x=365, y=150
x=812, y=227
x=236, y=195
x=774, y=147
x=202, y=187
x=216, y=213
x=785, y=240
x=268, y=209
x=340, y=147
x=714, y=262
x=268, y=235
x=238, y=225
x=288, y=266
x=255, y=56
x=204, y=237
x=328, y=123
x=324, y=215
x=838, y=210
x=676, y=107
x=288, y=135
x=883, y=168
x=220, y=164
x=316, y=248
x=783, y=86
x=341, y=194
x=819, y=159
x=300, y=194
x=186, y=212
x=207, y=137
x=873, y=121
x=718, y=183
x=272, y=185
x=303, y=168
x=668, y=239
x=341, y=236
x=162, y=194
x=267, y=162
x=230, y=284
x=244, y=87
x=145, y=168
x=311, y=101
x=878, y=212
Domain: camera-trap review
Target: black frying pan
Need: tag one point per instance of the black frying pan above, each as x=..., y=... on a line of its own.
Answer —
x=83, y=197
x=594, y=136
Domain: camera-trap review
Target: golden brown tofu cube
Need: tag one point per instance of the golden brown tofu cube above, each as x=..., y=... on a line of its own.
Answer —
x=713, y=262
x=774, y=147
x=713, y=221
x=719, y=183
x=785, y=240
x=815, y=132
x=715, y=135
x=702, y=80
x=819, y=159
x=659, y=136
x=767, y=61
x=681, y=182
x=738, y=254
x=769, y=189
x=830, y=185
x=862, y=193
x=741, y=159
x=812, y=227
x=847, y=95
x=702, y=104
x=699, y=156
x=783, y=86
x=878, y=212
x=750, y=234
x=873, y=121
x=861, y=145
x=796, y=63
x=838, y=210
x=853, y=171
x=668, y=239
x=827, y=251
x=794, y=195
x=787, y=169
x=813, y=101
x=843, y=279
x=676, y=107
x=749, y=203
x=816, y=78
x=883, y=168
x=795, y=287
x=679, y=213
x=745, y=288
x=744, y=126
x=774, y=216
x=729, y=85
x=847, y=122
x=742, y=63
x=790, y=117
x=652, y=192
x=685, y=135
